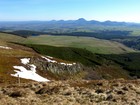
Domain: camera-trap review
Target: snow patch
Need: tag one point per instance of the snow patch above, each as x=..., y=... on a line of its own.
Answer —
x=22, y=72
x=25, y=61
x=4, y=47
x=62, y=63
x=49, y=59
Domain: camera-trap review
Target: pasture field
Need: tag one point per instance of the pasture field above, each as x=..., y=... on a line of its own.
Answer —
x=10, y=38
x=92, y=44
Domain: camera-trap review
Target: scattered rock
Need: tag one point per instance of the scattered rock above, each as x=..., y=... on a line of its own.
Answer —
x=120, y=92
x=110, y=97
x=125, y=88
x=99, y=91
x=16, y=94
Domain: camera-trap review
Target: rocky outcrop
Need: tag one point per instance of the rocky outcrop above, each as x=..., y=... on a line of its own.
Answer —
x=57, y=69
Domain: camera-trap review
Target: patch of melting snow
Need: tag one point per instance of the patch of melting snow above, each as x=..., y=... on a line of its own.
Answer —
x=49, y=60
x=62, y=63
x=25, y=61
x=4, y=47
x=50, y=57
x=28, y=74
x=53, y=61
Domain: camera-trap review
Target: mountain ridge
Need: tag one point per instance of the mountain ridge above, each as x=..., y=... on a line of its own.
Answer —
x=80, y=20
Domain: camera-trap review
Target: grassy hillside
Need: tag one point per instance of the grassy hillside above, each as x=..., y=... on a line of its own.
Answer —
x=10, y=58
x=77, y=49
x=10, y=38
x=114, y=64
x=92, y=44
x=132, y=42
x=100, y=65
x=71, y=54
x=129, y=61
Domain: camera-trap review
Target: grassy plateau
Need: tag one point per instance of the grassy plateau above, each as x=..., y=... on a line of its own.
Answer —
x=92, y=44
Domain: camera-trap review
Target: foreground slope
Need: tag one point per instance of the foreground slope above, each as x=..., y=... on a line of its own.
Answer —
x=20, y=61
x=11, y=57
x=99, y=92
x=75, y=68
x=11, y=65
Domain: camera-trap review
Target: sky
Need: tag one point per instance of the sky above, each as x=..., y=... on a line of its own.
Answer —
x=102, y=10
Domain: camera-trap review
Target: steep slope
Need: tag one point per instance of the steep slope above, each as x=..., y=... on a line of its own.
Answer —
x=57, y=63
x=96, y=66
x=12, y=65
x=11, y=57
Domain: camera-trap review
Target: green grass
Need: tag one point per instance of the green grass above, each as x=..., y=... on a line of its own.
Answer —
x=71, y=54
x=129, y=62
x=102, y=64
x=11, y=38
x=76, y=49
x=92, y=44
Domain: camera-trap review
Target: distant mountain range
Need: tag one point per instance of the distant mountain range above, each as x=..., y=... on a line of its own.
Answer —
x=68, y=26
x=82, y=21
x=78, y=21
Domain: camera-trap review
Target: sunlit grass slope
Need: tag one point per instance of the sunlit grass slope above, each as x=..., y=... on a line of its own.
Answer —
x=10, y=38
x=92, y=44
x=11, y=57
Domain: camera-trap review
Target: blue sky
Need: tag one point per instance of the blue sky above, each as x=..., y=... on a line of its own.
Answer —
x=115, y=10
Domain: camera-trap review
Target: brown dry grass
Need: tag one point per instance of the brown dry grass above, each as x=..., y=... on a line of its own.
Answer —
x=103, y=92
x=10, y=58
x=11, y=38
x=110, y=72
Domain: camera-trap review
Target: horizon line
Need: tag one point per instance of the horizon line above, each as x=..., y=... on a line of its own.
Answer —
x=67, y=20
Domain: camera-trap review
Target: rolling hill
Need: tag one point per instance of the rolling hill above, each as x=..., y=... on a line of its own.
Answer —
x=10, y=38
x=97, y=59
x=92, y=44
